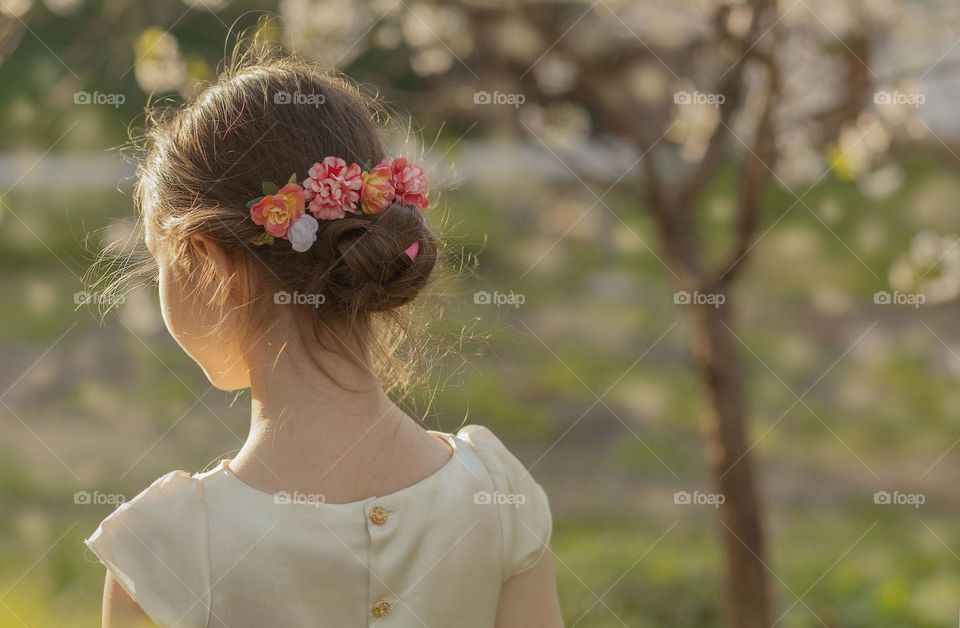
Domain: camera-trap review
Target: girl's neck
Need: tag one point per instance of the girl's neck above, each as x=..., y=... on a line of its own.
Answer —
x=313, y=433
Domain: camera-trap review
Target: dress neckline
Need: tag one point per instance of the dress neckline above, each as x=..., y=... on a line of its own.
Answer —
x=223, y=469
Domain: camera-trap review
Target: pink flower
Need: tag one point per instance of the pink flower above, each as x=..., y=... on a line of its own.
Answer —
x=333, y=188
x=276, y=212
x=377, y=192
x=409, y=182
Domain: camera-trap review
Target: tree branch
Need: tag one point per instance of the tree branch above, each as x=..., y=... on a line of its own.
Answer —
x=730, y=88
x=756, y=171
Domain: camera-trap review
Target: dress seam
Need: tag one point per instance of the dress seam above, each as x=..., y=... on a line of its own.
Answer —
x=206, y=542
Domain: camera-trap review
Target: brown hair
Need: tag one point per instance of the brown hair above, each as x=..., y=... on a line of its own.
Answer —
x=266, y=117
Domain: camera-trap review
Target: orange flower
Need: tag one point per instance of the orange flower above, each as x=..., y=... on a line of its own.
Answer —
x=276, y=212
x=377, y=192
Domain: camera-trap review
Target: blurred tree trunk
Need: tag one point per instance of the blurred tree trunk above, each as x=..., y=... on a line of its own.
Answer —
x=723, y=413
x=713, y=343
x=722, y=417
x=745, y=37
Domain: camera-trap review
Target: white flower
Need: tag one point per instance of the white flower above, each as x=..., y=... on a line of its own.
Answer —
x=931, y=268
x=303, y=233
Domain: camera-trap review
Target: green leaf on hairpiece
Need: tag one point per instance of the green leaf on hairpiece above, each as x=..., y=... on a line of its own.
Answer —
x=269, y=188
x=254, y=202
x=263, y=238
x=293, y=178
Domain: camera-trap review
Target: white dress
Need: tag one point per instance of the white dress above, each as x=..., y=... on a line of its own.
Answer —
x=209, y=550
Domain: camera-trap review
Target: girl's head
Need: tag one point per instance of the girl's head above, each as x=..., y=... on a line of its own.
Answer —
x=223, y=290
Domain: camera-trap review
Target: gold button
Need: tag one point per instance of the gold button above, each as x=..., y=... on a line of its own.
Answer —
x=381, y=608
x=378, y=516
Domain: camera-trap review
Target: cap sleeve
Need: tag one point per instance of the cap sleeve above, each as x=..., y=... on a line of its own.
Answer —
x=156, y=548
x=524, y=510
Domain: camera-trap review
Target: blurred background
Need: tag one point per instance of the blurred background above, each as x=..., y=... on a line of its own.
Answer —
x=714, y=261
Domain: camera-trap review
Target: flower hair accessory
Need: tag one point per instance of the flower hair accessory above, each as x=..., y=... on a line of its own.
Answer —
x=332, y=190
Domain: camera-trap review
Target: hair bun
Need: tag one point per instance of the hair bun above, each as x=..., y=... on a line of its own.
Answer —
x=372, y=272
